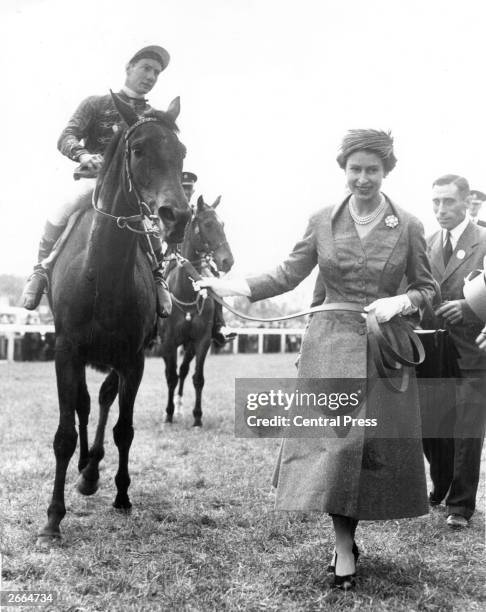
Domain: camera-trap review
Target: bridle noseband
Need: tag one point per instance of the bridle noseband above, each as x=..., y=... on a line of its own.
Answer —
x=145, y=215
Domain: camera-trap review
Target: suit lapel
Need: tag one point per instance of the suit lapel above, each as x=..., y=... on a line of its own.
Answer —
x=466, y=245
x=385, y=237
x=436, y=257
x=343, y=232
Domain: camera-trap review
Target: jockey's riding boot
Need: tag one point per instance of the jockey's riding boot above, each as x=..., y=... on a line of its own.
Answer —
x=38, y=280
x=164, y=301
x=219, y=335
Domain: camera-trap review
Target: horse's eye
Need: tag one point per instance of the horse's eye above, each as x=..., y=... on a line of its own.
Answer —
x=137, y=152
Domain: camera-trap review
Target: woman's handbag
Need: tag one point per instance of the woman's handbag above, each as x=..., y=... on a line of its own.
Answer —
x=437, y=378
x=441, y=354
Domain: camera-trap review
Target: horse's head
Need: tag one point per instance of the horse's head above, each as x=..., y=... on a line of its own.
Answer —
x=153, y=165
x=207, y=237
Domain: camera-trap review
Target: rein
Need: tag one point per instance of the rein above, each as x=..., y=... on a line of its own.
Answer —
x=205, y=253
x=382, y=345
x=144, y=216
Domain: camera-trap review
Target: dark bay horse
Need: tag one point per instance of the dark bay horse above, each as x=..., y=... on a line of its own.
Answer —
x=191, y=321
x=103, y=294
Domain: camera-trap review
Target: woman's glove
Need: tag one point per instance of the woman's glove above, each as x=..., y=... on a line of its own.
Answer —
x=387, y=308
x=224, y=286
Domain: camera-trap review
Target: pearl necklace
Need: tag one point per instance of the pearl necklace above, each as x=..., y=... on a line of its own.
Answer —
x=368, y=218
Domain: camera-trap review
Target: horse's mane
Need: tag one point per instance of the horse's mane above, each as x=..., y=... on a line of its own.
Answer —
x=107, y=169
x=164, y=118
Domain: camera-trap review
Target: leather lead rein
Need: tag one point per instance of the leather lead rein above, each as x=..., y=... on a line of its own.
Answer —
x=385, y=356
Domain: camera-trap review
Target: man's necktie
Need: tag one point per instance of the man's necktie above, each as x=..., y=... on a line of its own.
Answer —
x=447, y=249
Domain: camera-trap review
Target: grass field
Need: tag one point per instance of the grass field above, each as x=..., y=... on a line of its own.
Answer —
x=203, y=534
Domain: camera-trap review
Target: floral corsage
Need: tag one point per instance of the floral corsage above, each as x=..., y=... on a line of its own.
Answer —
x=391, y=221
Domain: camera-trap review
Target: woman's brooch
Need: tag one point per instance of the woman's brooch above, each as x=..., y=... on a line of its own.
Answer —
x=391, y=221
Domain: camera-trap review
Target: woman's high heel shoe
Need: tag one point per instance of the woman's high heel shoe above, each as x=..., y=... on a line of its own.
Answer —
x=331, y=568
x=345, y=583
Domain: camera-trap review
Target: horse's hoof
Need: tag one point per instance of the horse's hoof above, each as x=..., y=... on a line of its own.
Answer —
x=81, y=466
x=197, y=424
x=179, y=402
x=124, y=507
x=168, y=419
x=48, y=540
x=87, y=487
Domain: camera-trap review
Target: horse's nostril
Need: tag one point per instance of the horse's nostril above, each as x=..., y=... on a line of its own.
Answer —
x=166, y=214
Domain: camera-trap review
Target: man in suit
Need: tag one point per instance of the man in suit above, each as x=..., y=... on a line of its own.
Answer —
x=454, y=251
x=475, y=201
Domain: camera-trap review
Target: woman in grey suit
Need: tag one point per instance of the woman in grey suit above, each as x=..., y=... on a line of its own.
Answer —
x=364, y=247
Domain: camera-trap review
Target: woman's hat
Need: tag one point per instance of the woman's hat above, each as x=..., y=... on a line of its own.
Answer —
x=475, y=293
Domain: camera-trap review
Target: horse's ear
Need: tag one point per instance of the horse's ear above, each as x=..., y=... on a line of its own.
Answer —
x=216, y=202
x=200, y=203
x=127, y=113
x=174, y=108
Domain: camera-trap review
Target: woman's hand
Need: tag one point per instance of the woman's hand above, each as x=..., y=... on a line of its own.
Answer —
x=224, y=287
x=387, y=308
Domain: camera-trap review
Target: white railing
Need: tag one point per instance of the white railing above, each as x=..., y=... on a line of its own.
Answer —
x=12, y=331
x=261, y=332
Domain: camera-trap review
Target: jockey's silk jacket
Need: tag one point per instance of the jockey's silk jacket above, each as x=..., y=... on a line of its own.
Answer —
x=91, y=127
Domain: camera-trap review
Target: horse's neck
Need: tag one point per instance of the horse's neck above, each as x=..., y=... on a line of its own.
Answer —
x=184, y=288
x=112, y=251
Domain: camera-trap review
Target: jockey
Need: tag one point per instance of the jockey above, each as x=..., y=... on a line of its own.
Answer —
x=219, y=333
x=84, y=140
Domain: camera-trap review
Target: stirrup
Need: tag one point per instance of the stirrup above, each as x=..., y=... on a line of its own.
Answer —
x=220, y=338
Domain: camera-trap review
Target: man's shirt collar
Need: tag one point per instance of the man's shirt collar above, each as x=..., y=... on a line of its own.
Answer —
x=456, y=233
x=132, y=94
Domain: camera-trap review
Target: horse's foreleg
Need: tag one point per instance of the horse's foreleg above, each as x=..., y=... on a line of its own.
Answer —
x=69, y=373
x=171, y=377
x=83, y=410
x=88, y=481
x=184, y=369
x=198, y=381
x=123, y=430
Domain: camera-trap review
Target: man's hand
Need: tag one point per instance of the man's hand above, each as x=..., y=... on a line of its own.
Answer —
x=451, y=311
x=481, y=340
x=91, y=163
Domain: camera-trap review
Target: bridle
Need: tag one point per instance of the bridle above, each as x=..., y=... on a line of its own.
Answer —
x=203, y=249
x=145, y=216
x=205, y=253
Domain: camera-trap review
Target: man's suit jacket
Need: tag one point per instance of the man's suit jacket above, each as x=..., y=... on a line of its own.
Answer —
x=467, y=256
